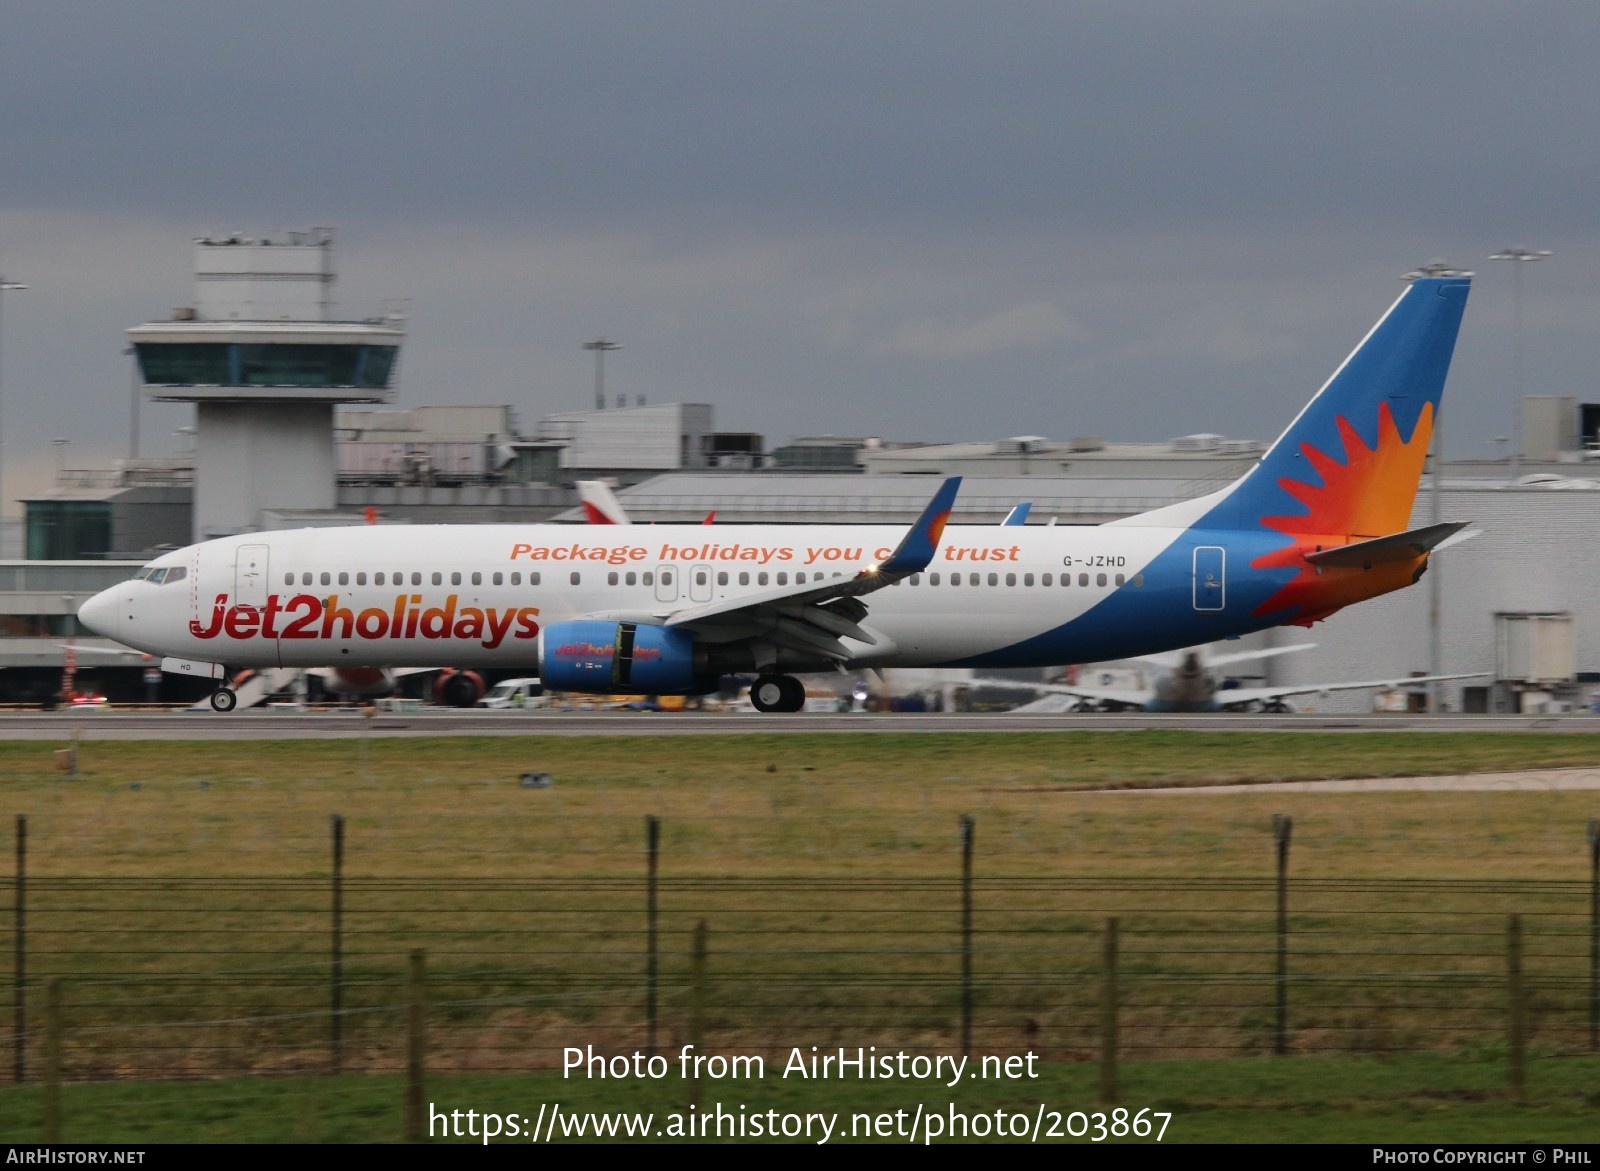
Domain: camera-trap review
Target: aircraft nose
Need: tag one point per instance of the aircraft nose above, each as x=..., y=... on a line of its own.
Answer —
x=101, y=612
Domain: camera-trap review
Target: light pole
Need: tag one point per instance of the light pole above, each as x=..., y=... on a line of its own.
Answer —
x=1435, y=268
x=1520, y=256
x=600, y=346
x=5, y=287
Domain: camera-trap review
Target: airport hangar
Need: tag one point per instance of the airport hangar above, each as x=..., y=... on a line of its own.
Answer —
x=295, y=426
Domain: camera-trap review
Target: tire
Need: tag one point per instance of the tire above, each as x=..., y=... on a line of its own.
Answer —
x=223, y=699
x=794, y=694
x=768, y=693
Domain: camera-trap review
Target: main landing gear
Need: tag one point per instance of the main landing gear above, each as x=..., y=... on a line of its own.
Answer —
x=224, y=699
x=777, y=693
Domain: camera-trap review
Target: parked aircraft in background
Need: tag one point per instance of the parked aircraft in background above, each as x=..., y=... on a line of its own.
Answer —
x=601, y=506
x=1318, y=524
x=1189, y=682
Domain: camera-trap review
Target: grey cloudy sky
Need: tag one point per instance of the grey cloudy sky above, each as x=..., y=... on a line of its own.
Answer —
x=919, y=220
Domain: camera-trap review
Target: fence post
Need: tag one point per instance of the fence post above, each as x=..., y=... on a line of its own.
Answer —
x=1282, y=826
x=652, y=833
x=697, y=1007
x=52, y=1060
x=1108, y=1016
x=1518, y=1026
x=966, y=936
x=19, y=966
x=416, y=1045
x=1594, y=933
x=336, y=990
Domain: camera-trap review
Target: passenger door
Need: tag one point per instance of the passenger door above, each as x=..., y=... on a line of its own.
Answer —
x=1210, y=580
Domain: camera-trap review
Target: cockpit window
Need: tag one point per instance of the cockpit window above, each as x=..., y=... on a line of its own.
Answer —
x=161, y=574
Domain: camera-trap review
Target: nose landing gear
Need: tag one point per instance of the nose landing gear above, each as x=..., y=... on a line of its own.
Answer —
x=224, y=699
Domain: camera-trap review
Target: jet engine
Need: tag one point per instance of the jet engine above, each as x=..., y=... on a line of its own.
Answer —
x=596, y=656
x=454, y=688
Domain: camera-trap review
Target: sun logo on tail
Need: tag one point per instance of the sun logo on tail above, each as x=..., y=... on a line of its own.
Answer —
x=1367, y=495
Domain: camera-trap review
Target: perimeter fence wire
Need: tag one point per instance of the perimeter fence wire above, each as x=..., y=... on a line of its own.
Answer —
x=213, y=977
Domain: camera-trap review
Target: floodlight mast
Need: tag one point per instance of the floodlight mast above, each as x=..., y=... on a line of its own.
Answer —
x=1433, y=269
x=600, y=346
x=1520, y=256
x=5, y=287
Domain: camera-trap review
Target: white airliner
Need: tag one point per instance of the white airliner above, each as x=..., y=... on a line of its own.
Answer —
x=1315, y=526
x=1189, y=683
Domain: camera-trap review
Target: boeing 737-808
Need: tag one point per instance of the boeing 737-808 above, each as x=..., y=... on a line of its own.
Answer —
x=1316, y=525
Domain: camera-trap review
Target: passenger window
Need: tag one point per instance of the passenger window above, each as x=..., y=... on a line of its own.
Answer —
x=744, y=578
x=700, y=577
x=1099, y=579
x=632, y=578
x=611, y=578
x=666, y=577
x=1083, y=579
x=438, y=578
x=377, y=579
x=361, y=578
x=576, y=577
x=761, y=578
x=516, y=578
x=722, y=577
x=416, y=578
x=933, y=579
x=994, y=579
x=783, y=578
x=533, y=578
x=455, y=578
x=305, y=579
x=499, y=578
x=1027, y=579
x=647, y=578
x=288, y=578
x=799, y=579
x=915, y=579
x=974, y=578
x=344, y=578
x=955, y=579
x=477, y=578
x=1120, y=579
x=1047, y=579
x=327, y=578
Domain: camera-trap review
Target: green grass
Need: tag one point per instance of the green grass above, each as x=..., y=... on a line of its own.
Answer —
x=180, y=890
x=1413, y=1099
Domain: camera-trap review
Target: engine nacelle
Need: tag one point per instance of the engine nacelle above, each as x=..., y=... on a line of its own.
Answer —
x=596, y=656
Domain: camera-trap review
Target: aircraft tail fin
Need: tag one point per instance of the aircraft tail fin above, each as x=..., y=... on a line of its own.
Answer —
x=1350, y=462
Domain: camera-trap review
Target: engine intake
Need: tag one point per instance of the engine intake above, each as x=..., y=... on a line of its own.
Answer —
x=596, y=656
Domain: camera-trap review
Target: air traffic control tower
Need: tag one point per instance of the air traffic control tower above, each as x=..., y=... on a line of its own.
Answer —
x=263, y=362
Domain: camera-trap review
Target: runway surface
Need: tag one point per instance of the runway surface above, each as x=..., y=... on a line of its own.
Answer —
x=340, y=723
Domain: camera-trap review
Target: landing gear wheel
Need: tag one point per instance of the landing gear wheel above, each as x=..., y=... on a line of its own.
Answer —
x=777, y=693
x=794, y=693
x=223, y=699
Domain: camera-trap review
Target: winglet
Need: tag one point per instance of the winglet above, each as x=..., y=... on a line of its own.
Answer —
x=918, y=546
x=1017, y=516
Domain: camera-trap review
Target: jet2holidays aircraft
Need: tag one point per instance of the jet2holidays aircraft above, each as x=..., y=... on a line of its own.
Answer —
x=1316, y=525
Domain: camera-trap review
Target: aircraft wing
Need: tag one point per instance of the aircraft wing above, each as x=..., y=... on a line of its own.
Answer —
x=1239, y=696
x=812, y=617
x=1126, y=697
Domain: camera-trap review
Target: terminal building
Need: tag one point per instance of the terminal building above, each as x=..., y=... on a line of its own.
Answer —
x=296, y=424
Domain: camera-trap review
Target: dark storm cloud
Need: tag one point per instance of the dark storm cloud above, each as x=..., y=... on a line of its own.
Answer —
x=972, y=113
x=934, y=220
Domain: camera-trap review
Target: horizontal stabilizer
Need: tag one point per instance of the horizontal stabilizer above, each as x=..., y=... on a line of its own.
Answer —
x=1395, y=547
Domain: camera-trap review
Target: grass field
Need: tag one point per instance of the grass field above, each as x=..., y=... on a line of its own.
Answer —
x=181, y=891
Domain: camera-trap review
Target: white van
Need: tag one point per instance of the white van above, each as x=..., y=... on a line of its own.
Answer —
x=514, y=693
